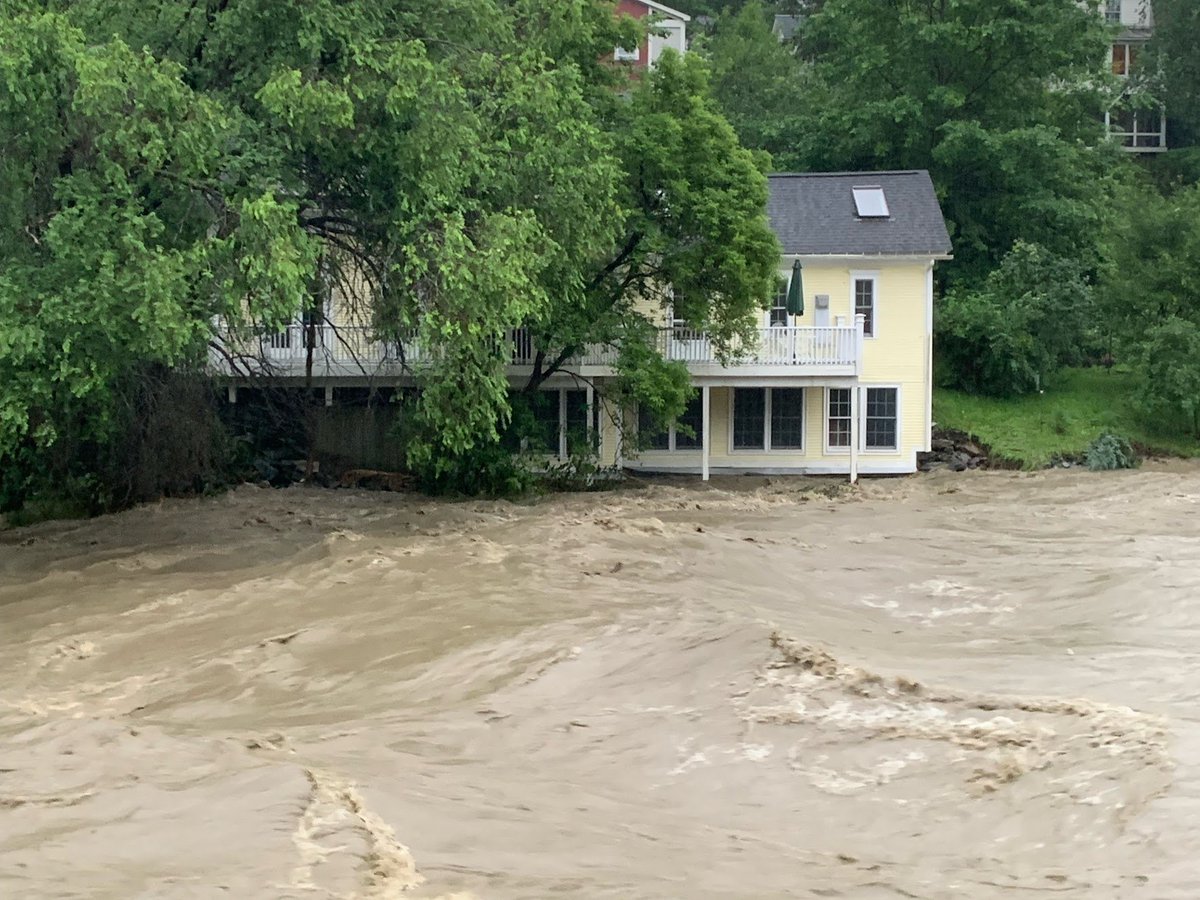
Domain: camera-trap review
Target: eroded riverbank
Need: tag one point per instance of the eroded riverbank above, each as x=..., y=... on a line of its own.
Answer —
x=962, y=685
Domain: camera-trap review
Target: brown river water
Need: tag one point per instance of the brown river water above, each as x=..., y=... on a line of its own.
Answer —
x=977, y=685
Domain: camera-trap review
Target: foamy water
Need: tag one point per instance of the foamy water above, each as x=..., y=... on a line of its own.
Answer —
x=952, y=686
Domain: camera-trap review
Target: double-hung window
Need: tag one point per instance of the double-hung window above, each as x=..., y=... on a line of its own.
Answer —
x=839, y=418
x=880, y=422
x=865, y=290
x=879, y=418
x=768, y=419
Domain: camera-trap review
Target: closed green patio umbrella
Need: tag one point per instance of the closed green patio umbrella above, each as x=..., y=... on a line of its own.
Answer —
x=795, y=294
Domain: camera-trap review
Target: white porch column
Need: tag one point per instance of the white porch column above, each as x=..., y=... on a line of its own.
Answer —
x=854, y=433
x=860, y=326
x=705, y=430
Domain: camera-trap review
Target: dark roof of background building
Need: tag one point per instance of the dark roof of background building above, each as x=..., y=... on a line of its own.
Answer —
x=785, y=27
x=814, y=214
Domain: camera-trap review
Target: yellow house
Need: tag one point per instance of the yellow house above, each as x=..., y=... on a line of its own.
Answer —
x=837, y=382
x=843, y=384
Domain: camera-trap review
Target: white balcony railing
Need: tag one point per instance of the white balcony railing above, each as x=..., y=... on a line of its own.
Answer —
x=349, y=351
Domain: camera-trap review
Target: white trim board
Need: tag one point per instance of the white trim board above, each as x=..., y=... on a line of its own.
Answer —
x=665, y=10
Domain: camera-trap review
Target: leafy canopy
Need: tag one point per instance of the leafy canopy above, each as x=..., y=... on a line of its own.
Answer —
x=449, y=170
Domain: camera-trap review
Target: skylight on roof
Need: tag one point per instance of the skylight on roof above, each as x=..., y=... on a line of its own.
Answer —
x=870, y=203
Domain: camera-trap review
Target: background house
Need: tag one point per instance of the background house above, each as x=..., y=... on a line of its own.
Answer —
x=1138, y=128
x=669, y=30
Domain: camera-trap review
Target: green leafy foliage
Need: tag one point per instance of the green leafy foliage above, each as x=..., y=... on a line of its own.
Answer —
x=1170, y=363
x=762, y=86
x=1154, y=240
x=1173, y=54
x=1108, y=452
x=450, y=170
x=1028, y=319
x=997, y=98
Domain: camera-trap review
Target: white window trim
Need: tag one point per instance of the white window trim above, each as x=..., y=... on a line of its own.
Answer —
x=620, y=54
x=861, y=425
x=873, y=277
x=766, y=447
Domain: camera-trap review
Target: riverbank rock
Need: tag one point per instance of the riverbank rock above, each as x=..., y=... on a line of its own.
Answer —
x=953, y=450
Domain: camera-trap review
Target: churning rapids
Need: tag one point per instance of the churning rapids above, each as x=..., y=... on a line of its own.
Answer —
x=954, y=686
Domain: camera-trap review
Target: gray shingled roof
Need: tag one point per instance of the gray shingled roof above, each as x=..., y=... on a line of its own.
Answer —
x=815, y=214
x=785, y=27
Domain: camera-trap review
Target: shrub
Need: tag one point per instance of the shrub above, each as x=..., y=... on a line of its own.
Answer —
x=1014, y=332
x=1108, y=452
x=1170, y=366
x=489, y=470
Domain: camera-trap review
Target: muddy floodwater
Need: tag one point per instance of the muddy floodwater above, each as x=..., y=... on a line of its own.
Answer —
x=952, y=686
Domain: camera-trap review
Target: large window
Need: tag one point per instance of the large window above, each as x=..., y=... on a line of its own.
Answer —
x=545, y=416
x=691, y=421
x=576, y=420
x=749, y=418
x=768, y=419
x=1112, y=11
x=560, y=417
x=676, y=437
x=880, y=418
x=864, y=301
x=787, y=418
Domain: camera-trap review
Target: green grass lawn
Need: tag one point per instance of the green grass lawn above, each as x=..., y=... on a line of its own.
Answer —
x=1080, y=405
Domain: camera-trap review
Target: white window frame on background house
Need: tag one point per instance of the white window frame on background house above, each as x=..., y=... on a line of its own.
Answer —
x=768, y=438
x=1129, y=50
x=673, y=433
x=872, y=328
x=1112, y=12
x=623, y=55
x=861, y=429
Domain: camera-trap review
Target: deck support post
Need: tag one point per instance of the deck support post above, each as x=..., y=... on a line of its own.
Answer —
x=329, y=395
x=705, y=420
x=854, y=436
x=232, y=393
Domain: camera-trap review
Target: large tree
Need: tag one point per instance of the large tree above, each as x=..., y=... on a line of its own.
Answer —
x=1176, y=27
x=463, y=168
x=762, y=86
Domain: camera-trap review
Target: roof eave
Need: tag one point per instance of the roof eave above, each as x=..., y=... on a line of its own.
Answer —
x=666, y=10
